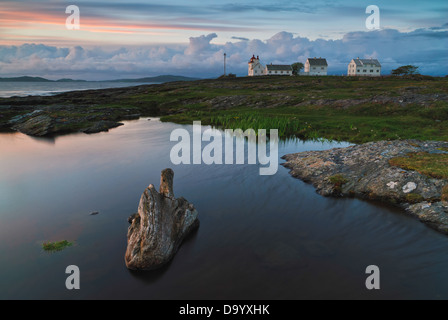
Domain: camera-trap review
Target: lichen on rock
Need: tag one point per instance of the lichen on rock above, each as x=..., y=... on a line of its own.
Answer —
x=365, y=171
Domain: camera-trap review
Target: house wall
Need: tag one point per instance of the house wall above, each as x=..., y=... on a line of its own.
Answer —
x=315, y=70
x=277, y=73
x=255, y=69
x=366, y=70
x=318, y=70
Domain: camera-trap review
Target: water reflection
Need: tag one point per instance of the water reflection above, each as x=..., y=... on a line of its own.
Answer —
x=261, y=237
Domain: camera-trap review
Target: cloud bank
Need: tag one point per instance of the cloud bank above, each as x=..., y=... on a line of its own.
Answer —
x=426, y=48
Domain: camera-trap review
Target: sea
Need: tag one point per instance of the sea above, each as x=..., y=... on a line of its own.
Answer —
x=23, y=89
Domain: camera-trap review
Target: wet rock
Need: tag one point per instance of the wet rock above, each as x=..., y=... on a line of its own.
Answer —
x=94, y=213
x=103, y=125
x=364, y=171
x=159, y=227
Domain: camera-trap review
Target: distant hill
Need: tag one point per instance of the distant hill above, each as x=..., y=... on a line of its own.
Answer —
x=24, y=79
x=70, y=80
x=164, y=78
x=159, y=79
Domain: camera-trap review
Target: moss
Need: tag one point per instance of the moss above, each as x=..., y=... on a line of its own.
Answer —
x=445, y=193
x=338, y=180
x=414, y=198
x=430, y=164
x=56, y=246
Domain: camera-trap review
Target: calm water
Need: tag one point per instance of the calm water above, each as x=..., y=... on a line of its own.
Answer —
x=21, y=89
x=261, y=237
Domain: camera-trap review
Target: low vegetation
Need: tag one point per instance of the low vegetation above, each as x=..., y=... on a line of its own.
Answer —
x=353, y=109
x=445, y=193
x=431, y=164
x=338, y=180
x=56, y=246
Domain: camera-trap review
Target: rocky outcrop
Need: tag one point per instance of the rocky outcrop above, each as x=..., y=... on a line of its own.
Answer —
x=159, y=227
x=364, y=171
x=38, y=126
x=101, y=126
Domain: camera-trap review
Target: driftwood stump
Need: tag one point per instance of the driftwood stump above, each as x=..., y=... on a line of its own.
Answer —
x=159, y=227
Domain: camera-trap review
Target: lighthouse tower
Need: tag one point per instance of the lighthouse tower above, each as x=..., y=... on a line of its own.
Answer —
x=255, y=68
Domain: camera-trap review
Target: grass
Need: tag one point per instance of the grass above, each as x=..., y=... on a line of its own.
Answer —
x=307, y=107
x=430, y=164
x=282, y=104
x=338, y=180
x=56, y=246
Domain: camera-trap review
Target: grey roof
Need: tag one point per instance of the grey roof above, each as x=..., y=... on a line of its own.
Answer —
x=317, y=62
x=278, y=67
x=363, y=62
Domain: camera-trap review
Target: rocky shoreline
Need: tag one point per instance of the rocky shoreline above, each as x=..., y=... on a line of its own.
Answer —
x=364, y=171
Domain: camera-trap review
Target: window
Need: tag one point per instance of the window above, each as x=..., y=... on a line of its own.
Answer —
x=314, y=68
x=322, y=68
x=377, y=70
x=275, y=71
x=371, y=70
x=281, y=71
x=364, y=70
x=357, y=70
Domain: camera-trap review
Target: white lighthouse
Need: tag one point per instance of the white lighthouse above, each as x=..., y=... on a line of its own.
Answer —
x=255, y=68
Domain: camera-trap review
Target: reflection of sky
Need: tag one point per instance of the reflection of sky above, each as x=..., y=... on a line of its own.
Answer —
x=174, y=21
x=265, y=237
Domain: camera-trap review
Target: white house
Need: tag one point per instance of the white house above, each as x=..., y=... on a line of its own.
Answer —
x=255, y=67
x=364, y=67
x=278, y=70
x=316, y=67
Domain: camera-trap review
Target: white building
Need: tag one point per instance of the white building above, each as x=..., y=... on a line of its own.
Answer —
x=364, y=67
x=278, y=70
x=316, y=67
x=255, y=67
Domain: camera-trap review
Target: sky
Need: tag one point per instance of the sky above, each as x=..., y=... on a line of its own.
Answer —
x=135, y=38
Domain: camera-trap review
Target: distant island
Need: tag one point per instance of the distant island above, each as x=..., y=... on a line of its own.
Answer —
x=159, y=79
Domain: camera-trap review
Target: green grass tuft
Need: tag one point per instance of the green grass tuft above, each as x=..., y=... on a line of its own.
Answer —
x=56, y=246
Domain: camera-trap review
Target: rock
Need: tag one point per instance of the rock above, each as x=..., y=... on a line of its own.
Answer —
x=364, y=171
x=132, y=217
x=103, y=125
x=410, y=186
x=131, y=116
x=37, y=126
x=159, y=227
x=94, y=213
x=20, y=118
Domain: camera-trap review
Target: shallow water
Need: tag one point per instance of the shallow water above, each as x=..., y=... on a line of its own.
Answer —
x=261, y=237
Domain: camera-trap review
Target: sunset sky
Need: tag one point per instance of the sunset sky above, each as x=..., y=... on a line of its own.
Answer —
x=120, y=39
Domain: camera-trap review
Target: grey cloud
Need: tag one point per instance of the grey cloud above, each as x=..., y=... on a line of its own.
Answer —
x=240, y=38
